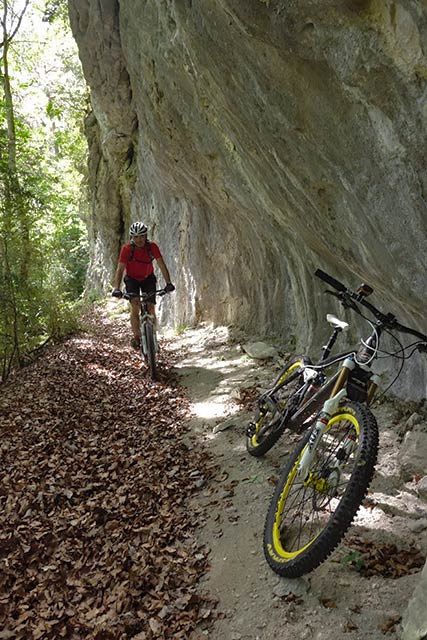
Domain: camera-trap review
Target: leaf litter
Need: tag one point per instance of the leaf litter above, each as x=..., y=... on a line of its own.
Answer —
x=98, y=473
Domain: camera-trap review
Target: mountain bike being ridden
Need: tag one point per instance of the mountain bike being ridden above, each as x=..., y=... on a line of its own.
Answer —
x=136, y=264
x=148, y=345
x=327, y=475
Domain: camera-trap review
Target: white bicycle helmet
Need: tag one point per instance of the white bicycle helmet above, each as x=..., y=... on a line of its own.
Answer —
x=138, y=229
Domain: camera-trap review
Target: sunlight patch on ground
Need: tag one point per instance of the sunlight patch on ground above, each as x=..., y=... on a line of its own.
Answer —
x=101, y=371
x=213, y=409
x=386, y=508
x=197, y=338
x=209, y=409
x=84, y=342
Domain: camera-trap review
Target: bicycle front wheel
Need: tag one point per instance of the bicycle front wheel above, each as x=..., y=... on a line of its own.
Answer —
x=268, y=425
x=150, y=356
x=308, y=516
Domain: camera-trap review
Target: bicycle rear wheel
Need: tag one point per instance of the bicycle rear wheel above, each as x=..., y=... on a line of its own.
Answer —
x=150, y=356
x=308, y=516
x=268, y=425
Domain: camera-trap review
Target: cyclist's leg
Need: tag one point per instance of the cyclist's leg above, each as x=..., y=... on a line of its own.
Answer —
x=132, y=286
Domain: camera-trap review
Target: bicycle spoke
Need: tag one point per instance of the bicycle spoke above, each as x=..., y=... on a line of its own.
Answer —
x=309, y=503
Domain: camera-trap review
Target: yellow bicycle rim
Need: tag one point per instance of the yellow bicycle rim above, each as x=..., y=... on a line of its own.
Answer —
x=279, y=549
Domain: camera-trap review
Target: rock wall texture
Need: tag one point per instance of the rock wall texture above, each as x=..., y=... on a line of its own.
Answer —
x=260, y=140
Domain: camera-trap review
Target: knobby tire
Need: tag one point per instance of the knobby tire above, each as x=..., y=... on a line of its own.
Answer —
x=150, y=356
x=309, y=516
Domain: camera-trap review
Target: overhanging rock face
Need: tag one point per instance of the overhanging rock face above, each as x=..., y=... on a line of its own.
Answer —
x=260, y=140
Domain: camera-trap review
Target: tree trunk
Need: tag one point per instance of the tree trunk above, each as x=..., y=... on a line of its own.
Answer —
x=8, y=101
x=15, y=195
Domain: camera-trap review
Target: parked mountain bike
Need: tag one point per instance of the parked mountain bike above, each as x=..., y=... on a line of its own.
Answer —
x=148, y=344
x=327, y=475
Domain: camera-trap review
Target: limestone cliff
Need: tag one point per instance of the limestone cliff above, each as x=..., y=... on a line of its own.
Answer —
x=261, y=139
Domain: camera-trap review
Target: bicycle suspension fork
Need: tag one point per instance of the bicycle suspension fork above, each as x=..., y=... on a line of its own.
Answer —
x=317, y=432
x=330, y=406
x=347, y=367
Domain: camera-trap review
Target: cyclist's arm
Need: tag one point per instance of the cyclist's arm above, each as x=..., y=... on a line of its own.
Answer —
x=119, y=274
x=164, y=270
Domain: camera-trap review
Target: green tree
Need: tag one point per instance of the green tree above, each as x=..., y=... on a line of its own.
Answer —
x=43, y=247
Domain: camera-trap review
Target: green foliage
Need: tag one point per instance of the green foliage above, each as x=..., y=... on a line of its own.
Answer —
x=181, y=328
x=355, y=559
x=55, y=10
x=43, y=239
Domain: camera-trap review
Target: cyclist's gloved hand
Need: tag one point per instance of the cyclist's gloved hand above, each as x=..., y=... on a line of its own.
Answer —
x=169, y=287
x=116, y=293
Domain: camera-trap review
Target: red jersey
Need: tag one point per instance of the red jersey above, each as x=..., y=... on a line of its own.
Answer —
x=138, y=263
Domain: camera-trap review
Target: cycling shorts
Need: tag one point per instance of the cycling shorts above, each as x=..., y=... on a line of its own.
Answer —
x=136, y=286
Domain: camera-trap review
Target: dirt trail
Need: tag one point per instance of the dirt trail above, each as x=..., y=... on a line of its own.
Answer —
x=104, y=478
x=254, y=604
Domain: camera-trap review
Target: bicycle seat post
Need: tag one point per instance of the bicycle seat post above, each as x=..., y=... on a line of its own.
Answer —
x=327, y=348
x=338, y=326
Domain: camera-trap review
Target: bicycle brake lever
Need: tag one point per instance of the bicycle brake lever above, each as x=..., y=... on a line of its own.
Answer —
x=422, y=347
x=344, y=298
x=333, y=293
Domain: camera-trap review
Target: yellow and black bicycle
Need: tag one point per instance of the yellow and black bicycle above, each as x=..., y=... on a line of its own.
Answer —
x=327, y=475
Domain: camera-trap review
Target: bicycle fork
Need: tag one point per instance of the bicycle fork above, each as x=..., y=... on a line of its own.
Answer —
x=148, y=318
x=317, y=432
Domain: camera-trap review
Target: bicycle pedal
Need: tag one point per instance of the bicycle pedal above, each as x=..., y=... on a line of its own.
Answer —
x=250, y=429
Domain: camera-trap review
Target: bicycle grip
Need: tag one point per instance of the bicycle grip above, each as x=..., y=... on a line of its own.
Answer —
x=330, y=280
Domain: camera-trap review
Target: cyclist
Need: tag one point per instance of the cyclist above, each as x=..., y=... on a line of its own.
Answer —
x=136, y=264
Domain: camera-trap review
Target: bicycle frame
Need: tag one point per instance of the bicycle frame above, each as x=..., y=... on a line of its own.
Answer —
x=328, y=390
x=311, y=377
x=328, y=398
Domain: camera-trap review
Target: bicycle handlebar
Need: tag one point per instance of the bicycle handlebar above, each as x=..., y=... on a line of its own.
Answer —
x=350, y=298
x=330, y=280
x=144, y=296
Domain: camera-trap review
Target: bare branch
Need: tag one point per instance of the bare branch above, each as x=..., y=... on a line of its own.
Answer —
x=8, y=37
x=19, y=20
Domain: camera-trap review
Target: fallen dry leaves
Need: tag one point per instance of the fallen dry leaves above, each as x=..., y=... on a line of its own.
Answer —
x=248, y=397
x=97, y=475
x=385, y=559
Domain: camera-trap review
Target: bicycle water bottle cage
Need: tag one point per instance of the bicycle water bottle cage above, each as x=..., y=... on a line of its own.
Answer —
x=390, y=319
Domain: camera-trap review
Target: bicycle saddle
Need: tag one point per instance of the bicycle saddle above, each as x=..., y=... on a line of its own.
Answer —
x=337, y=323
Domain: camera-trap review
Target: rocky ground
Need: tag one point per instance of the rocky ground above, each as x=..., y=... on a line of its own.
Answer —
x=131, y=509
x=338, y=599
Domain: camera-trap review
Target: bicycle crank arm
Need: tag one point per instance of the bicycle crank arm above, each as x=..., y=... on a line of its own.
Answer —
x=329, y=407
